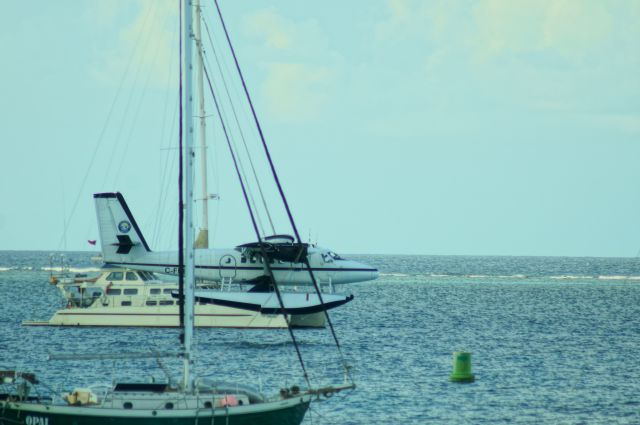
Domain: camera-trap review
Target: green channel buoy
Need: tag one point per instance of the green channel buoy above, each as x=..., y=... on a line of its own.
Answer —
x=462, y=367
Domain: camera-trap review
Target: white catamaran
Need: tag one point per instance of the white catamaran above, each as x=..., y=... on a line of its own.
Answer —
x=24, y=401
x=124, y=297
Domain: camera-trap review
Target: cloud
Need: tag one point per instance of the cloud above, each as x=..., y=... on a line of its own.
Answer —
x=296, y=91
x=436, y=32
x=504, y=26
x=575, y=27
x=146, y=42
x=267, y=25
x=416, y=18
x=301, y=68
x=570, y=28
x=490, y=28
x=622, y=123
x=555, y=56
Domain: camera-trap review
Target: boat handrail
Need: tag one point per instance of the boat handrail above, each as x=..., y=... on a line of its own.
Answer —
x=330, y=390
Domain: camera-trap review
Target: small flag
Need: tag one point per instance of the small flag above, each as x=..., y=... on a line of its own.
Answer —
x=92, y=241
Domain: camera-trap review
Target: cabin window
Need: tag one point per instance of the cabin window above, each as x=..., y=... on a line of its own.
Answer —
x=112, y=291
x=127, y=405
x=96, y=294
x=131, y=291
x=152, y=302
x=115, y=276
x=155, y=291
x=167, y=290
x=166, y=302
x=208, y=405
x=168, y=406
x=252, y=259
x=243, y=259
x=132, y=276
x=125, y=303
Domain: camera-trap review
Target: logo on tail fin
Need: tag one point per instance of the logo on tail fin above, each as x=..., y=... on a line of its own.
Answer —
x=124, y=226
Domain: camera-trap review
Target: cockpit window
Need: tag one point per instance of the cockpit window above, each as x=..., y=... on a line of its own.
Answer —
x=334, y=255
x=327, y=258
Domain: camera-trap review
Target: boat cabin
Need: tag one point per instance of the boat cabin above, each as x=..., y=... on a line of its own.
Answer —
x=119, y=288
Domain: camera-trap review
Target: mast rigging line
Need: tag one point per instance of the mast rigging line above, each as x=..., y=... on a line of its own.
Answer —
x=282, y=195
x=101, y=136
x=243, y=174
x=127, y=141
x=235, y=115
x=255, y=227
x=169, y=161
x=258, y=126
x=144, y=43
x=223, y=113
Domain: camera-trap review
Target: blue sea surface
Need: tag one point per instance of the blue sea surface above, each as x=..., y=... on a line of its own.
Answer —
x=554, y=340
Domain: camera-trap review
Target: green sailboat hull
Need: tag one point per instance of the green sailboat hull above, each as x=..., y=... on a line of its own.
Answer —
x=289, y=412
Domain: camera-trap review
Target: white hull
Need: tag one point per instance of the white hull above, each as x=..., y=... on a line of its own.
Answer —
x=206, y=316
x=120, y=297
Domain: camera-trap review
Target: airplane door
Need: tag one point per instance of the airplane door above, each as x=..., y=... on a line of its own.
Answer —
x=228, y=266
x=327, y=273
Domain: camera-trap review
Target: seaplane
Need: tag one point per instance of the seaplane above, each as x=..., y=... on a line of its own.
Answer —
x=124, y=246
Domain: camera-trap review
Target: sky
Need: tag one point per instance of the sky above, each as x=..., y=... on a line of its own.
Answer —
x=487, y=127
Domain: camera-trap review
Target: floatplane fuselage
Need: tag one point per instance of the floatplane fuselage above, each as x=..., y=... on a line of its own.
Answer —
x=123, y=245
x=219, y=264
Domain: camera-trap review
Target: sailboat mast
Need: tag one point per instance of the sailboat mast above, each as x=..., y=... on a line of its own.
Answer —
x=188, y=168
x=202, y=240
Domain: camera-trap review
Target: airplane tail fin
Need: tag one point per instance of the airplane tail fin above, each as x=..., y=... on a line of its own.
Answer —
x=120, y=235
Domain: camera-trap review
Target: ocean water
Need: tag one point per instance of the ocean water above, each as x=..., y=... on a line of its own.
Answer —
x=554, y=340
